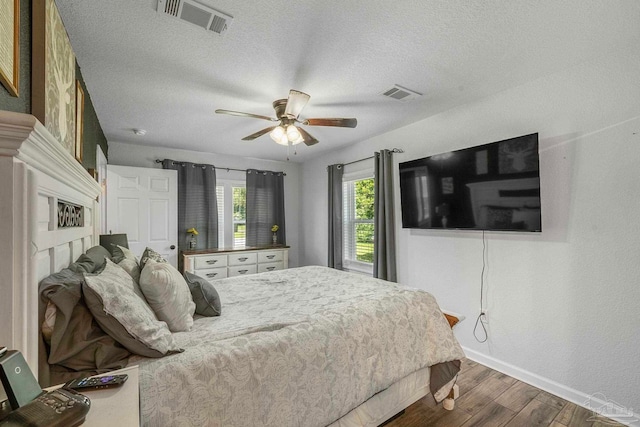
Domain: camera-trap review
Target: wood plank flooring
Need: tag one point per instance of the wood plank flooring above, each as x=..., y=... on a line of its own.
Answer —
x=491, y=398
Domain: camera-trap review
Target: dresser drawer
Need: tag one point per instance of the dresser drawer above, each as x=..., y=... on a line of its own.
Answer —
x=242, y=270
x=210, y=261
x=212, y=273
x=270, y=266
x=243, y=258
x=269, y=256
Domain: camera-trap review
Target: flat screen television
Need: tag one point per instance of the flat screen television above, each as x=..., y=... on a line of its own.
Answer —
x=494, y=186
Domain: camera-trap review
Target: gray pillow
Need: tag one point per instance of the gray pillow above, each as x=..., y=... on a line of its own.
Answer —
x=84, y=264
x=77, y=342
x=126, y=317
x=204, y=295
x=150, y=254
x=98, y=255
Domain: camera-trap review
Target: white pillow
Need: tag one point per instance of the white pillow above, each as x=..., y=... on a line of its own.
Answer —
x=125, y=316
x=168, y=295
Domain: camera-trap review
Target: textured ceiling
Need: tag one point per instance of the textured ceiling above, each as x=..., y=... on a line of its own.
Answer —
x=146, y=70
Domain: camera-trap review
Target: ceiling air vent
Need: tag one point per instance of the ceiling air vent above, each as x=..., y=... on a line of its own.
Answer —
x=401, y=93
x=196, y=14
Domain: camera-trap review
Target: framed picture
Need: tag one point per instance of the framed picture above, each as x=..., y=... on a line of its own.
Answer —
x=53, y=74
x=10, y=45
x=79, y=120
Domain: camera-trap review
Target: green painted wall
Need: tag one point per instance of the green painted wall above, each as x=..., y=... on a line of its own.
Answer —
x=93, y=134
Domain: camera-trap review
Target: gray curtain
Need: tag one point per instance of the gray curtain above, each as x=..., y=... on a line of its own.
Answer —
x=335, y=173
x=197, y=203
x=384, y=252
x=265, y=207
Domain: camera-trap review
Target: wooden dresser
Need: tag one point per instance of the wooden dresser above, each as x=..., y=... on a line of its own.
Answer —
x=214, y=264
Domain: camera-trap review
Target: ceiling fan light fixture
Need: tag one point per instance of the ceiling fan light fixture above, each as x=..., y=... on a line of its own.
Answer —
x=293, y=134
x=277, y=133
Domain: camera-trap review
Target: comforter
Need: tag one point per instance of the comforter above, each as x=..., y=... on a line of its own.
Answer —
x=298, y=347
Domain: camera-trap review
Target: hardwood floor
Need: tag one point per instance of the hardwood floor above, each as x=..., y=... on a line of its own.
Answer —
x=491, y=398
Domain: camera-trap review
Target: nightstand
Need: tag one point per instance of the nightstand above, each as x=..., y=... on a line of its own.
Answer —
x=119, y=406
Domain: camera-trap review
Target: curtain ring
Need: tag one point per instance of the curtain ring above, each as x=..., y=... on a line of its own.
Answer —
x=264, y=173
x=173, y=163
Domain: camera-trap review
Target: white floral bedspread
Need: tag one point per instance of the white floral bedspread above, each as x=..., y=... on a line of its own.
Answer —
x=298, y=347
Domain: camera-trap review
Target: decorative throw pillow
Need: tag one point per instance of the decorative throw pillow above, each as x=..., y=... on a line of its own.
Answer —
x=120, y=253
x=131, y=267
x=126, y=317
x=98, y=254
x=204, y=295
x=150, y=254
x=168, y=295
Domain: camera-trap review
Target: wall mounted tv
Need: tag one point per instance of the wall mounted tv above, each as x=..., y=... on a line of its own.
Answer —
x=489, y=187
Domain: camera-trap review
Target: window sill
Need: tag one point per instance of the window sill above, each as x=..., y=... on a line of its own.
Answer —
x=360, y=268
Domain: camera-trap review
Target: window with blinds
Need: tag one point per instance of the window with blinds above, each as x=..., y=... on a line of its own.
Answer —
x=232, y=206
x=239, y=215
x=358, y=224
x=220, y=200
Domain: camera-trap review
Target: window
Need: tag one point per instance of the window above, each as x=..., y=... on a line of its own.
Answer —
x=358, y=223
x=239, y=215
x=232, y=213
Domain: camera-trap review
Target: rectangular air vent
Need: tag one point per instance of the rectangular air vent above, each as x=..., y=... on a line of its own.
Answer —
x=400, y=93
x=197, y=14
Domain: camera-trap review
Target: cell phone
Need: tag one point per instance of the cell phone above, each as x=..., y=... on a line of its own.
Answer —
x=96, y=383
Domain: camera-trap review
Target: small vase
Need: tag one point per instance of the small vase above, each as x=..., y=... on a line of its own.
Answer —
x=193, y=242
x=274, y=238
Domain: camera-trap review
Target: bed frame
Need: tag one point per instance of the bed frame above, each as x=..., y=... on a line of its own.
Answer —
x=39, y=179
x=48, y=217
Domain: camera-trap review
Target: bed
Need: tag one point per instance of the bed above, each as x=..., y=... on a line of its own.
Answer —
x=307, y=346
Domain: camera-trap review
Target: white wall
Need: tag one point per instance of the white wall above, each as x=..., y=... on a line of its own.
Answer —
x=145, y=156
x=562, y=304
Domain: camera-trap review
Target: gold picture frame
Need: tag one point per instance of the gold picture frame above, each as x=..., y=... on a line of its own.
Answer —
x=10, y=45
x=79, y=121
x=53, y=74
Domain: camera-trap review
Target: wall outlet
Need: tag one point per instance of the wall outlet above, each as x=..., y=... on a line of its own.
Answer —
x=484, y=317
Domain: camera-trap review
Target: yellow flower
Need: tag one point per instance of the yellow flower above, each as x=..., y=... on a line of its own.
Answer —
x=192, y=231
x=275, y=228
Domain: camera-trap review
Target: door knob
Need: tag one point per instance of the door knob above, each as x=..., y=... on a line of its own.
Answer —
x=172, y=247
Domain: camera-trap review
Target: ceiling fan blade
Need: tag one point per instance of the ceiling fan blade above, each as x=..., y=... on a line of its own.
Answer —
x=241, y=114
x=343, y=123
x=258, y=134
x=295, y=103
x=308, y=139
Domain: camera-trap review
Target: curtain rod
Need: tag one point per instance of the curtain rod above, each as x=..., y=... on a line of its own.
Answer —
x=227, y=169
x=393, y=150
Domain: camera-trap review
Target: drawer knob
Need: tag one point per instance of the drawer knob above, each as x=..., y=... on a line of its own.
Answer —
x=212, y=274
x=243, y=259
x=242, y=271
x=271, y=268
x=212, y=261
x=271, y=256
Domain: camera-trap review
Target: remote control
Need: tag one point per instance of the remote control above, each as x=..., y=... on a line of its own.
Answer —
x=96, y=383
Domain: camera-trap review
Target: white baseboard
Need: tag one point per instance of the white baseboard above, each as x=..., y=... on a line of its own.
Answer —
x=606, y=408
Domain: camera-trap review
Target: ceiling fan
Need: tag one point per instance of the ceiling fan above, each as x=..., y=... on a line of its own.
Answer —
x=287, y=114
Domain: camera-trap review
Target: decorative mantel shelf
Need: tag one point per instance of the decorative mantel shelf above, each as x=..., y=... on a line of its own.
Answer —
x=35, y=173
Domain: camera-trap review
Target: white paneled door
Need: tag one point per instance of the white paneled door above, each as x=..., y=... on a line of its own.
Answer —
x=143, y=203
